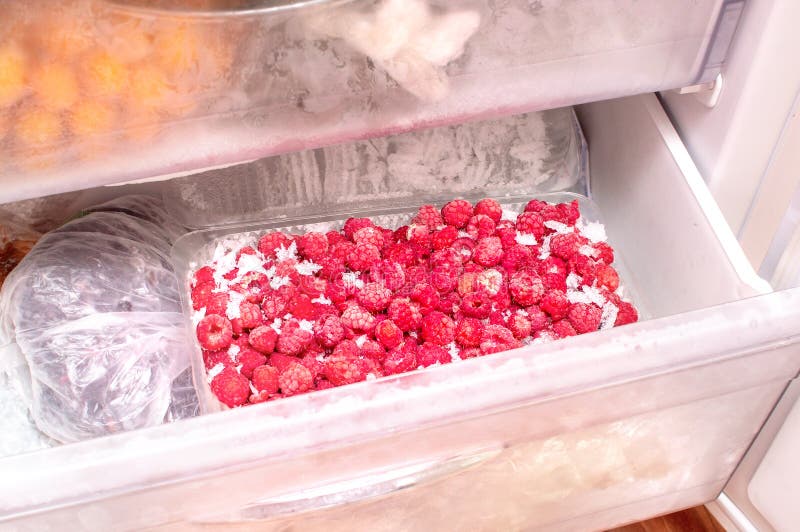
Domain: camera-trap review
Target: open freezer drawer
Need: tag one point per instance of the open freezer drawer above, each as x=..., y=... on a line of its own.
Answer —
x=584, y=433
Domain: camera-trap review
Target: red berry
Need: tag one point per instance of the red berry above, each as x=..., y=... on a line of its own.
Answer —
x=357, y=318
x=535, y=205
x=405, y=314
x=438, y=328
x=467, y=283
x=313, y=246
x=531, y=223
x=480, y=226
x=354, y=224
x=607, y=277
x=332, y=267
x=250, y=360
x=538, y=319
x=231, y=388
x=526, y=288
x=489, y=207
x=281, y=361
x=341, y=369
x=212, y=358
x=555, y=303
x=401, y=359
x=217, y=304
x=563, y=329
x=552, y=265
x=565, y=245
x=204, y=275
x=444, y=237
x=329, y=331
x=419, y=235
x=271, y=242
x=388, y=334
x=250, y=314
x=293, y=340
x=496, y=338
x=464, y=247
x=554, y=281
x=470, y=352
x=584, y=317
x=605, y=252
x=449, y=304
x=516, y=257
x=374, y=297
x=201, y=294
x=428, y=216
x=311, y=363
x=570, y=212
x=363, y=256
x=334, y=237
x=388, y=273
x=468, y=332
x=324, y=384
x=490, y=281
x=476, y=305
x=369, y=235
x=214, y=332
x=302, y=308
x=519, y=325
x=342, y=250
x=265, y=379
x=488, y=252
x=273, y=306
x=425, y=296
x=429, y=354
x=373, y=350
x=627, y=314
x=295, y=379
x=263, y=339
x=457, y=213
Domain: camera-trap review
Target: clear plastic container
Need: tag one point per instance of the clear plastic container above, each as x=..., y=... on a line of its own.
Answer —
x=197, y=249
x=92, y=94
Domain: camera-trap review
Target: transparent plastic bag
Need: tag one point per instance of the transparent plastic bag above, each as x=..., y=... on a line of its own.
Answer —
x=94, y=309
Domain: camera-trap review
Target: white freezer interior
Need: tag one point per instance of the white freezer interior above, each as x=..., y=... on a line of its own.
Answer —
x=585, y=433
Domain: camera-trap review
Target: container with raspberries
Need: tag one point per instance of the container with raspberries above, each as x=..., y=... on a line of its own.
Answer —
x=298, y=306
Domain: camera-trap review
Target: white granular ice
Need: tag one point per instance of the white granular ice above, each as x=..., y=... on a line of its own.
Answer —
x=573, y=281
x=558, y=227
x=233, y=350
x=284, y=254
x=464, y=234
x=278, y=281
x=306, y=325
x=307, y=268
x=276, y=325
x=233, y=310
x=594, y=231
x=360, y=340
x=322, y=300
x=589, y=251
x=509, y=215
x=216, y=370
x=352, y=280
x=253, y=389
x=609, y=316
x=587, y=294
x=198, y=316
x=249, y=264
x=526, y=239
x=545, y=252
x=452, y=348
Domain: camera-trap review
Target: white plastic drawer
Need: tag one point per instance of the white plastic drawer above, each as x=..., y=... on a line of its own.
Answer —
x=586, y=433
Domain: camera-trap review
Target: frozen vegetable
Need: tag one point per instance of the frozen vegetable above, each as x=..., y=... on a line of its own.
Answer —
x=286, y=314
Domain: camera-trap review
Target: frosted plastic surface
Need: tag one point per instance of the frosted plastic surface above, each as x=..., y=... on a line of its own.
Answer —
x=94, y=310
x=524, y=154
x=90, y=95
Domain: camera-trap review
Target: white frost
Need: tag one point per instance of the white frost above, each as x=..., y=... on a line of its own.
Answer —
x=216, y=370
x=509, y=215
x=352, y=280
x=278, y=281
x=526, y=239
x=573, y=281
x=233, y=350
x=276, y=325
x=322, y=300
x=307, y=268
x=198, y=316
x=307, y=325
x=609, y=316
x=360, y=340
x=289, y=253
x=594, y=231
x=589, y=251
x=559, y=227
x=233, y=309
x=545, y=252
x=452, y=348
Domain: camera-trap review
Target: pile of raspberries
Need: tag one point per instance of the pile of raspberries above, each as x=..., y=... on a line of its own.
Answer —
x=308, y=312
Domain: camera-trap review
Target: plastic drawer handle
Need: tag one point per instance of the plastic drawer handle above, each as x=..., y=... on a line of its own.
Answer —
x=217, y=8
x=357, y=489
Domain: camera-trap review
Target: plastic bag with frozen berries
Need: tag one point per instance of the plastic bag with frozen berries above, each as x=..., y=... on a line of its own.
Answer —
x=94, y=310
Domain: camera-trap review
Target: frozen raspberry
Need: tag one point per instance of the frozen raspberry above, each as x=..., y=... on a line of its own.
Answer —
x=501, y=300
x=293, y=340
x=201, y=294
x=419, y=235
x=231, y=388
x=217, y=304
x=332, y=268
x=357, y=318
x=570, y=212
x=354, y=224
x=273, y=306
x=480, y=226
x=627, y=314
x=250, y=360
x=347, y=348
x=212, y=358
x=334, y=237
x=584, y=317
x=565, y=245
x=309, y=360
x=214, y=332
x=531, y=223
x=552, y=265
x=605, y=253
x=429, y=354
x=497, y=317
x=388, y=334
x=374, y=297
x=295, y=379
x=373, y=350
x=535, y=205
x=369, y=235
x=247, y=250
x=490, y=281
x=516, y=257
x=250, y=315
x=467, y=283
x=231, y=275
x=337, y=293
x=405, y=314
x=243, y=341
x=288, y=269
x=507, y=236
x=400, y=235
x=470, y=352
x=312, y=286
x=437, y=328
x=469, y=332
x=204, y=275
x=263, y=339
x=491, y=208
x=583, y=265
x=302, y=308
x=450, y=304
x=607, y=277
x=388, y=273
x=269, y=244
x=324, y=384
x=488, y=252
x=519, y=325
x=401, y=359
x=537, y=318
x=457, y=213
x=563, y=329
x=342, y=369
x=265, y=379
x=555, y=303
x=329, y=331
x=429, y=216
x=476, y=305
x=313, y=246
x=551, y=213
x=363, y=256
x=526, y=288
x=342, y=250
x=496, y=338
x=425, y=296
x=554, y=281
x=444, y=237
x=281, y=361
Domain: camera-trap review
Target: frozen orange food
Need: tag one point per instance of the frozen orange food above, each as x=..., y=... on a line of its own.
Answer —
x=55, y=86
x=91, y=117
x=12, y=74
x=38, y=127
x=105, y=74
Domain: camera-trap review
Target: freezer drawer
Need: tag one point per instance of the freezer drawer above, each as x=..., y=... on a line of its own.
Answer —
x=94, y=94
x=584, y=433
